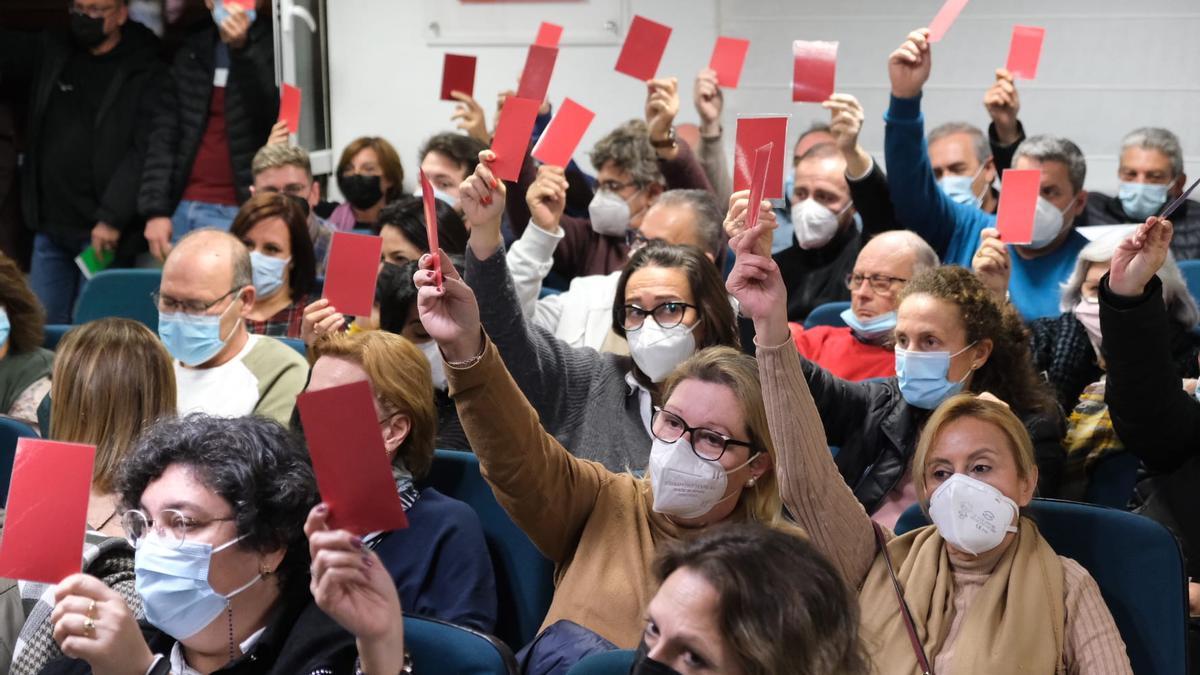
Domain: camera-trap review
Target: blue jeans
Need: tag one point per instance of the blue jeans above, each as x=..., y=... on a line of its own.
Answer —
x=54, y=276
x=191, y=215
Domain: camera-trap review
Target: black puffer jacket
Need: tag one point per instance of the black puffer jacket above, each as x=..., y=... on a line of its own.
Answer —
x=251, y=108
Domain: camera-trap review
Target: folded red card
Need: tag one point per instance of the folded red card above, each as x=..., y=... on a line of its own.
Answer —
x=1025, y=51
x=560, y=139
x=758, y=183
x=548, y=34
x=753, y=133
x=945, y=18
x=728, y=57
x=350, y=460
x=513, y=132
x=289, y=107
x=643, y=49
x=815, y=65
x=535, y=78
x=458, y=74
x=1019, y=190
x=46, y=510
x=351, y=271
x=431, y=230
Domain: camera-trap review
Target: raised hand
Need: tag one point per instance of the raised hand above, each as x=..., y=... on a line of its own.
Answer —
x=235, y=27
x=92, y=622
x=320, y=319
x=481, y=197
x=662, y=105
x=709, y=102
x=279, y=133
x=547, y=197
x=470, y=117
x=992, y=264
x=909, y=65
x=735, y=223
x=450, y=314
x=1003, y=104
x=846, y=120
x=757, y=284
x=1139, y=257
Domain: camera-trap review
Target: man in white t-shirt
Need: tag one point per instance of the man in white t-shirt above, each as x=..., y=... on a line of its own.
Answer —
x=206, y=293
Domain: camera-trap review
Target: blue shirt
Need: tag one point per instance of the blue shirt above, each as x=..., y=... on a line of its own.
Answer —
x=953, y=229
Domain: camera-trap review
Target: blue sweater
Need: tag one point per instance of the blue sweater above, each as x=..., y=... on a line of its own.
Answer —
x=441, y=564
x=953, y=229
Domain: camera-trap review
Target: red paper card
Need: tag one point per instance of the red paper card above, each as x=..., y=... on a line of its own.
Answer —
x=431, y=230
x=513, y=132
x=47, y=510
x=643, y=49
x=351, y=271
x=289, y=107
x=945, y=18
x=758, y=183
x=535, y=78
x=753, y=133
x=350, y=460
x=1019, y=190
x=1025, y=51
x=548, y=34
x=560, y=139
x=728, y=57
x=458, y=74
x=814, y=70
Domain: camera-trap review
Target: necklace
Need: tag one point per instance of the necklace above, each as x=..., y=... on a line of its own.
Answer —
x=107, y=520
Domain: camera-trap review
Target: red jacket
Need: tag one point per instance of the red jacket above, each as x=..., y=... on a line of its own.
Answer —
x=842, y=354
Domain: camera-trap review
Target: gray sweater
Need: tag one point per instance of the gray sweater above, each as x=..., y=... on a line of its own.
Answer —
x=580, y=394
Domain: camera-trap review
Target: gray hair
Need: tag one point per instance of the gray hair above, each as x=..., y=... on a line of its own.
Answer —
x=1047, y=148
x=243, y=271
x=1156, y=138
x=1180, y=304
x=280, y=155
x=710, y=222
x=628, y=146
x=983, y=148
x=924, y=257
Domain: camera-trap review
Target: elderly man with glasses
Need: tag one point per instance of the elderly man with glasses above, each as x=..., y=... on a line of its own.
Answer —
x=207, y=291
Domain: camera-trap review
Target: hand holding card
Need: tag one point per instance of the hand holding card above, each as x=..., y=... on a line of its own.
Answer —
x=351, y=272
x=289, y=107
x=1019, y=191
x=513, y=132
x=753, y=133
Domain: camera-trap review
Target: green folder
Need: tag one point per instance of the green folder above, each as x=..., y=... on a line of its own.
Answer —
x=90, y=262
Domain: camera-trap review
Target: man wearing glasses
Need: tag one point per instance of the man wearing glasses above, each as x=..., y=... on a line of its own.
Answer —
x=207, y=291
x=88, y=94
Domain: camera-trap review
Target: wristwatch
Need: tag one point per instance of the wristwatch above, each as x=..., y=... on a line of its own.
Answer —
x=668, y=142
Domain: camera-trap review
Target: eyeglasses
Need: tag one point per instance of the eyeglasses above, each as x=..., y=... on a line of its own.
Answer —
x=708, y=445
x=636, y=240
x=172, y=527
x=94, y=11
x=666, y=315
x=880, y=283
x=168, y=305
x=614, y=186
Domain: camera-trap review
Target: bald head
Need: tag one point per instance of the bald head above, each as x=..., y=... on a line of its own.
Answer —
x=210, y=258
x=898, y=254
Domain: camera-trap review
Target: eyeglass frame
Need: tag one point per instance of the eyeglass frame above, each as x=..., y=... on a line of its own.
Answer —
x=728, y=440
x=620, y=310
x=620, y=187
x=873, y=280
x=156, y=297
x=635, y=240
x=160, y=529
x=93, y=11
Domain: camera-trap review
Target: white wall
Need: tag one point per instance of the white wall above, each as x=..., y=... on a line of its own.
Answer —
x=1107, y=65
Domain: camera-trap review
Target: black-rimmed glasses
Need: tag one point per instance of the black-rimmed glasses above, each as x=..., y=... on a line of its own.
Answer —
x=708, y=445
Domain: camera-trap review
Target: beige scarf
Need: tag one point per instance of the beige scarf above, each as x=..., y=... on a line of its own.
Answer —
x=1014, y=625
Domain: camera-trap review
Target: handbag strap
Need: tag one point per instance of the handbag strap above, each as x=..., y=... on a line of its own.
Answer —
x=918, y=649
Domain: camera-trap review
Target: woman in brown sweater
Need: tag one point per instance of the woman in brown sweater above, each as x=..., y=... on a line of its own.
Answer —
x=986, y=592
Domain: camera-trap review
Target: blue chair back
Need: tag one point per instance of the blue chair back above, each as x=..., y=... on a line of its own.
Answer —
x=438, y=646
x=1137, y=564
x=53, y=333
x=124, y=293
x=1112, y=480
x=1191, y=274
x=11, y=429
x=295, y=343
x=605, y=663
x=828, y=314
x=524, y=578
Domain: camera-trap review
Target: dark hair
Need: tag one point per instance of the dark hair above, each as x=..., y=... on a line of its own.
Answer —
x=395, y=293
x=719, y=323
x=781, y=604
x=408, y=215
x=1008, y=373
x=264, y=205
x=253, y=463
x=461, y=149
x=389, y=162
x=25, y=314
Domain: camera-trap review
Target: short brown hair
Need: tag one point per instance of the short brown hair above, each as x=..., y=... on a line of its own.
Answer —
x=401, y=381
x=112, y=379
x=25, y=314
x=389, y=162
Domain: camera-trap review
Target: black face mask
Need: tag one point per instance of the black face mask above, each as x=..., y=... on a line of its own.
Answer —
x=87, y=32
x=361, y=191
x=644, y=665
x=301, y=202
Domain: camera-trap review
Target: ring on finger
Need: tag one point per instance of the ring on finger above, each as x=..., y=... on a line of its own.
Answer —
x=89, y=626
x=91, y=610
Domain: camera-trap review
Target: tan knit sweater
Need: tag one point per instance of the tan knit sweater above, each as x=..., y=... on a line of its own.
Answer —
x=839, y=526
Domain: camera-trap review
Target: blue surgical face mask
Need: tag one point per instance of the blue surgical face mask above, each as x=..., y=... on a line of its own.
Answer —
x=5, y=327
x=446, y=197
x=960, y=189
x=219, y=12
x=922, y=377
x=874, y=330
x=268, y=273
x=173, y=585
x=1142, y=200
x=192, y=339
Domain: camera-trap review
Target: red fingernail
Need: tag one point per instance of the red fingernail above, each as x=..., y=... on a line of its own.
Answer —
x=495, y=183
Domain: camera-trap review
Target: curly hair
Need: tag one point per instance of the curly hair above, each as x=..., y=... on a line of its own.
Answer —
x=25, y=314
x=628, y=146
x=1008, y=372
x=256, y=465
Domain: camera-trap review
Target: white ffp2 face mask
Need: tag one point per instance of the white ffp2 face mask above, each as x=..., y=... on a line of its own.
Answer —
x=657, y=350
x=971, y=515
x=609, y=214
x=436, y=367
x=684, y=485
x=815, y=224
x=1048, y=222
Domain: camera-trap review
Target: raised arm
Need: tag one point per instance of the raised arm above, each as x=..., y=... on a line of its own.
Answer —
x=1005, y=133
x=532, y=254
x=710, y=102
x=868, y=184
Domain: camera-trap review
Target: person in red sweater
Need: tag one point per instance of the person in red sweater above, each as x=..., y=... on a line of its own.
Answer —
x=862, y=349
